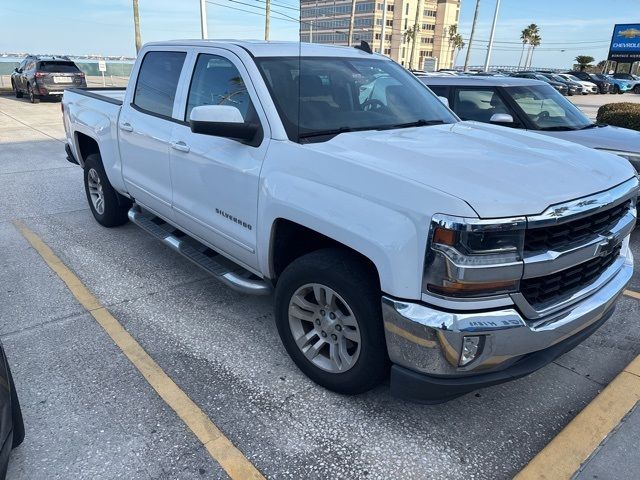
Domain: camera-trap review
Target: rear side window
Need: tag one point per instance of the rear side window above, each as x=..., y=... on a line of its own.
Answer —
x=440, y=90
x=58, y=67
x=158, y=81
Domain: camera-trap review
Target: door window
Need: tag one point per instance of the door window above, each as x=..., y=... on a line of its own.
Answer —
x=158, y=82
x=478, y=104
x=216, y=81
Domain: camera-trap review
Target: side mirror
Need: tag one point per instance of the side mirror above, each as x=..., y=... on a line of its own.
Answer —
x=222, y=121
x=501, y=118
x=17, y=70
x=444, y=100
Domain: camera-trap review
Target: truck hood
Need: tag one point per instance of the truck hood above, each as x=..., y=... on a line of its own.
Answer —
x=499, y=172
x=608, y=137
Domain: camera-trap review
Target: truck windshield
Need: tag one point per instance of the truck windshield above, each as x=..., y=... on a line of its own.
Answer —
x=547, y=109
x=320, y=97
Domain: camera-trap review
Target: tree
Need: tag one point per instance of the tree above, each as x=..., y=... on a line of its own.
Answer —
x=533, y=31
x=410, y=36
x=525, y=36
x=453, y=31
x=458, y=44
x=584, y=61
x=535, y=43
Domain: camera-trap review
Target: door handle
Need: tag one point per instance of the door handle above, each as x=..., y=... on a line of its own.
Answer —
x=126, y=127
x=180, y=146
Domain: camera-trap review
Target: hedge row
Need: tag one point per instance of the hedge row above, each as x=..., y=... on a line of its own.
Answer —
x=626, y=115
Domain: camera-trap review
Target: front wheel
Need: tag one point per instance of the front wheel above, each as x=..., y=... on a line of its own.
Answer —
x=16, y=92
x=328, y=314
x=108, y=207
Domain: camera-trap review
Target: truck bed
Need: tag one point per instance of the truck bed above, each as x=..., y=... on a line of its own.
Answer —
x=113, y=95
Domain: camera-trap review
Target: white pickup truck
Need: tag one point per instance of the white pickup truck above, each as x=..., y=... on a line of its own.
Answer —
x=399, y=240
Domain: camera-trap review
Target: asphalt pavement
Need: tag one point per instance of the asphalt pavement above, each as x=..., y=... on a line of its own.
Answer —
x=89, y=413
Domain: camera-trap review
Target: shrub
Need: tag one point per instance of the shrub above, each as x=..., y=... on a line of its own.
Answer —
x=625, y=115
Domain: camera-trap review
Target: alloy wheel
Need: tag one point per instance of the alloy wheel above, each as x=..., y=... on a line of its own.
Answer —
x=324, y=328
x=95, y=191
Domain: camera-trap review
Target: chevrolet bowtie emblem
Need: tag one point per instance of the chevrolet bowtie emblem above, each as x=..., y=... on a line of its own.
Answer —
x=607, y=246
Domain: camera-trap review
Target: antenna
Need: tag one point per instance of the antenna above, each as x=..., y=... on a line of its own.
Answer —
x=364, y=46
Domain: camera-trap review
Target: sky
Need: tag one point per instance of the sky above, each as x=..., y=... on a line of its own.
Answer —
x=105, y=27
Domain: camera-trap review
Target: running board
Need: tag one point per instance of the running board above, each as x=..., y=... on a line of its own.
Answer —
x=223, y=269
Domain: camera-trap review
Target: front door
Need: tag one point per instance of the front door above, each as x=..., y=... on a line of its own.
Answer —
x=145, y=127
x=215, y=179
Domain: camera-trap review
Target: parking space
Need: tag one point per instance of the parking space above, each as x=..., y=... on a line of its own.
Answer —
x=90, y=412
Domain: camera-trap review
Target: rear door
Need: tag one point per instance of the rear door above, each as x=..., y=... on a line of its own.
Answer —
x=145, y=127
x=215, y=179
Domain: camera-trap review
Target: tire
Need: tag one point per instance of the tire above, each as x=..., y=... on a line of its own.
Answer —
x=108, y=207
x=356, y=291
x=33, y=98
x=17, y=92
x=636, y=89
x=616, y=90
x=16, y=414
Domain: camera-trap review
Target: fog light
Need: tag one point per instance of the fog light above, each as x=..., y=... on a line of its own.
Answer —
x=471, y=349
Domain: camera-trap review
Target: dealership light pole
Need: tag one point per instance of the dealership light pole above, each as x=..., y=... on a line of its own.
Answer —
x=351, y=21
x=493, y=31
x=136, y=25
x=203, y=19
x=384, y=24
x=473, y=32
x=267, y=19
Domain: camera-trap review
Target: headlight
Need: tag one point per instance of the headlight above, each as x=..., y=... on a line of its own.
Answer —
x=473, y=258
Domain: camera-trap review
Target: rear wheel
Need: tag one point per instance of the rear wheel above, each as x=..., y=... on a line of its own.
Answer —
x=108, y=207
x=33, y=98
x=328, y=314
x=636, y=89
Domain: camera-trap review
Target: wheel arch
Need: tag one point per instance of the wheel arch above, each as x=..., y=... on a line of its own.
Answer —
x=291, y=240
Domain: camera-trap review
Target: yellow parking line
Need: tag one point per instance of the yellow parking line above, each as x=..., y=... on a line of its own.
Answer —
x=219, y=447
x=632, y=294
x=564, y=455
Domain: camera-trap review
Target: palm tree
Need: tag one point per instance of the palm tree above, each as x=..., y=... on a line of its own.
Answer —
x=584, y=61
x=524, y=36
x=410, y=36
x=533, y=30
x=458, y=44
x=453, y=31
x=535, y=42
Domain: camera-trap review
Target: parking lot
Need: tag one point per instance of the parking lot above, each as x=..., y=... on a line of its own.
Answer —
x=89, y=412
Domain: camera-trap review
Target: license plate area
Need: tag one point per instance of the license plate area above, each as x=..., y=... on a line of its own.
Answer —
x=62, y=80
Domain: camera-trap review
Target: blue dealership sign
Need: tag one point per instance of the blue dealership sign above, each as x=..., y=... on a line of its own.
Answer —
x=625, y=43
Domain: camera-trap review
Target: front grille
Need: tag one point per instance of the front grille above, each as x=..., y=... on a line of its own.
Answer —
x=542, y=290
x=556, y=237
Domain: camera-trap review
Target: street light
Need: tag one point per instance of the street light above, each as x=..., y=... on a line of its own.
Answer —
x=203, y=19
x=493, y=31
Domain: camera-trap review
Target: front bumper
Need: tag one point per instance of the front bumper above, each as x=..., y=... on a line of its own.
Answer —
x=425, y=343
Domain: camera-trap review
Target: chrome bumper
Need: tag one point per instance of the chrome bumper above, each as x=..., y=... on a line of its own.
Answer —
x=429, y=341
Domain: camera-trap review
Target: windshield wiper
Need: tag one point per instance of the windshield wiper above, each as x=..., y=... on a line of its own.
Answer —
x=593, y=125
x=337, y=131
x=418, y=123
x=557, y=128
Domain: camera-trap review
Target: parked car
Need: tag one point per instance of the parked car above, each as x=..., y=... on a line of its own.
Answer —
x=391, y=232
x=587, y=87
x=619, y=86
x=560, y=87
x=532, y=105
x=632, y=79
x=575, y=88
x=603, y=83
x=40, y=76
x=11, y=424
